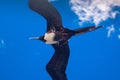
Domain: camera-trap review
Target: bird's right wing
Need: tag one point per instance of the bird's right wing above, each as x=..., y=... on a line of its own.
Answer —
x=45, y=9
x=58, y=63
x=61, y=55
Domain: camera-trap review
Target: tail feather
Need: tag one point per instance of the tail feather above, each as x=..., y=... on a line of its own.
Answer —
x=86, y=29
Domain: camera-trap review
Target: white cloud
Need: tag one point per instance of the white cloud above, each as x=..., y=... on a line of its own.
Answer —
x=94, y=11
x=52, y=0
x=111, y=30
x=2, y=43
x=119, y=36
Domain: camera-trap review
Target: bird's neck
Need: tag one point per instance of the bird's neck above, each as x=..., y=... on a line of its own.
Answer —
x=49, y=37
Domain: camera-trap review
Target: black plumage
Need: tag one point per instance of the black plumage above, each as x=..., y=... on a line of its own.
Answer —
x=57, y=36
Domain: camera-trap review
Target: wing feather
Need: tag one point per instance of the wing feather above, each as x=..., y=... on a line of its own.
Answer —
x=61, y=55
x=58, y=63
x=44, y=8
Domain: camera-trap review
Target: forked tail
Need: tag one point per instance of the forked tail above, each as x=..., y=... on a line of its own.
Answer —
x=86, y=29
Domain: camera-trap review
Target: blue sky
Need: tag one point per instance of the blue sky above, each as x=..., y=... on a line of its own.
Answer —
x=94, y=55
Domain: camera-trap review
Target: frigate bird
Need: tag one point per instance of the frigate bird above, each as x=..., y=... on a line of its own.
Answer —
x=56, y=35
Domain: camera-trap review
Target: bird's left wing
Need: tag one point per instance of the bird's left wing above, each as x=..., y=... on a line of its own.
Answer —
x=45, y=9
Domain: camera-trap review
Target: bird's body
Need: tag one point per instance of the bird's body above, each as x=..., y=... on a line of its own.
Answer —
x=49, y=38
x=57, y=36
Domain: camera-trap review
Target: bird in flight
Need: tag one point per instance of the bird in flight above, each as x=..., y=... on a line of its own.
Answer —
x=57, y=36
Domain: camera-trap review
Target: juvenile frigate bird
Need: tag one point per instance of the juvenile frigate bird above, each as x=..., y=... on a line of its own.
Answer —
x=57, y=36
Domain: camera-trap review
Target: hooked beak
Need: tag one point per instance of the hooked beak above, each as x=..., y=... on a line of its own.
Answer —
x=34, y=38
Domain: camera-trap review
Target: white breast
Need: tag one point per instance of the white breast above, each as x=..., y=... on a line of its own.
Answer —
x=49, y=37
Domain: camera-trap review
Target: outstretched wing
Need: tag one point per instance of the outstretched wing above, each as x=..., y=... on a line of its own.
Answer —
x=58, y=63
x=44, y=8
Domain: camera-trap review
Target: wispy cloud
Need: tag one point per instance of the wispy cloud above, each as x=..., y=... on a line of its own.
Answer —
x=94, y=11
x=2, y=43
x=119, y=36
x=52, y=0
x=111, y=30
